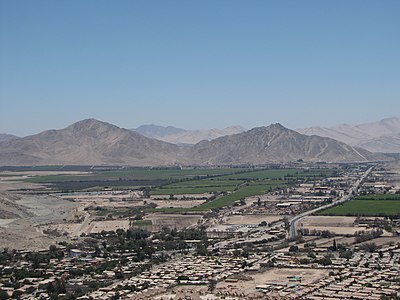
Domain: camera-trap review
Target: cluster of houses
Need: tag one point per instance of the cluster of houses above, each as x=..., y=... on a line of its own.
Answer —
x=185, y=270
x=74, y=262
x=364, y=276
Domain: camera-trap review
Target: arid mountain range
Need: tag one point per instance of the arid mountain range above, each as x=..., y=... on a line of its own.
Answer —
x=276, y=143
x=7, y=137
x=382, y=136
x=88, y=142
x=181, y=136
x=92, y=142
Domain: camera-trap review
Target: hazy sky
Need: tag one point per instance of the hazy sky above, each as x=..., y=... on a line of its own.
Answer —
x=198, y=64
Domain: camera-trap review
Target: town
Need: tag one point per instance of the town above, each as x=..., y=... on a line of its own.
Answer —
x=148, y=244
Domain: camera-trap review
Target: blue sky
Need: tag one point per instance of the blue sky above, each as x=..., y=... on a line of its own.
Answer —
x=198, y=64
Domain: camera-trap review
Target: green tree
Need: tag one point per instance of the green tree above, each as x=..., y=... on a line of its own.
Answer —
x=3, y=295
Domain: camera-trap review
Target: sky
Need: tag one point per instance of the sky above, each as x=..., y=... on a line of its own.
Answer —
x=197, y=64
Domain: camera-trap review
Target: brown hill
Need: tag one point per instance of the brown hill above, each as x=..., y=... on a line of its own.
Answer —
x=7, y=137
x=276, y=143
x=180, y=136
x=91, y=142
x=88, y=142
x=381, y=136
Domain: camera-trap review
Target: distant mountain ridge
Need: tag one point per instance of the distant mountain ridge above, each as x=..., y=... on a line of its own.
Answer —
x=156, y=131
x=98, y=143
x=181, y=136
x=88, y=142
x=276, y=143
x=7, y=137
x=381, y=136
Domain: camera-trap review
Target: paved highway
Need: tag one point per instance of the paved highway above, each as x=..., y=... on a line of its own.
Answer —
x=293, y=222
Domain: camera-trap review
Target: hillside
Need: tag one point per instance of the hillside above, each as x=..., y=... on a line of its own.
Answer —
x=85, y=143
x=92, y=142
x=156, y=131
x=276, y=143
x=7, y=137
x=381, y=136
x=180, y=136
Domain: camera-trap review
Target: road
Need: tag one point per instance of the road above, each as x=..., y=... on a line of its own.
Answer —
x=84, y=225
x=293, y=222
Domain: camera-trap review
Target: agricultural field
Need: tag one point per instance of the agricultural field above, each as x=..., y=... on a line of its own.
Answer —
x=379, y=197
x=240, y=185
x=127, y=178
x=245, y=191
x=192, y=190
x=368, y=205
x=331, y=221
x=227, y=184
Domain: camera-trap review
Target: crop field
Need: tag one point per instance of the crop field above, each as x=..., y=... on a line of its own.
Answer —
x=139, y=174
x=371, y=205
x=246, y=191
x=379, y=197
x=229, y=184
x=129, y=178
x=281, y=174
x=192, y=190
x=271, y=178
x=198, y=187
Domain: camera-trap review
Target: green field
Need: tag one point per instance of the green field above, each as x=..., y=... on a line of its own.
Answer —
x=192, y=190
x=370, y=205
x=237, y=182
x=281, y=173
x=232, y=182
x=198, y=187
x=134, y=178
x=379, y=197
x=246, y=191
x=139, y=174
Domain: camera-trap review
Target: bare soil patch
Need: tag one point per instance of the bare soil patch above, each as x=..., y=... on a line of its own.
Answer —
x=177, y=221
x=252, y=219
x=25, y=231
x=330, y=221
x=177, y=203
x=276, y=275
x=381, y=241
x=95, y=227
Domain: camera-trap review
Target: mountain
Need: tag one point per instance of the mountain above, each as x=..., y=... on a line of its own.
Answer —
x=276, y=143
x=7, y=137
x=156, y=131
x=385, y=144
x=92, y=142
x=180, y=136
x=381, y=136
x=85, y=143
x=192, y=137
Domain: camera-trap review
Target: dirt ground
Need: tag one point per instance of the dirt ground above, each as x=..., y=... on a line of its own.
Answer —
x=336, y=224
x=276, y=275
x=381, y=241
x=176, y=203
x=25, y=231
x=8, y=182
x=177, y=221
x=95, y=227
x=252, y=219
x=120, y=201
x=24, y=217
x=334, y=221
x=183, y=196
x=6, y=185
